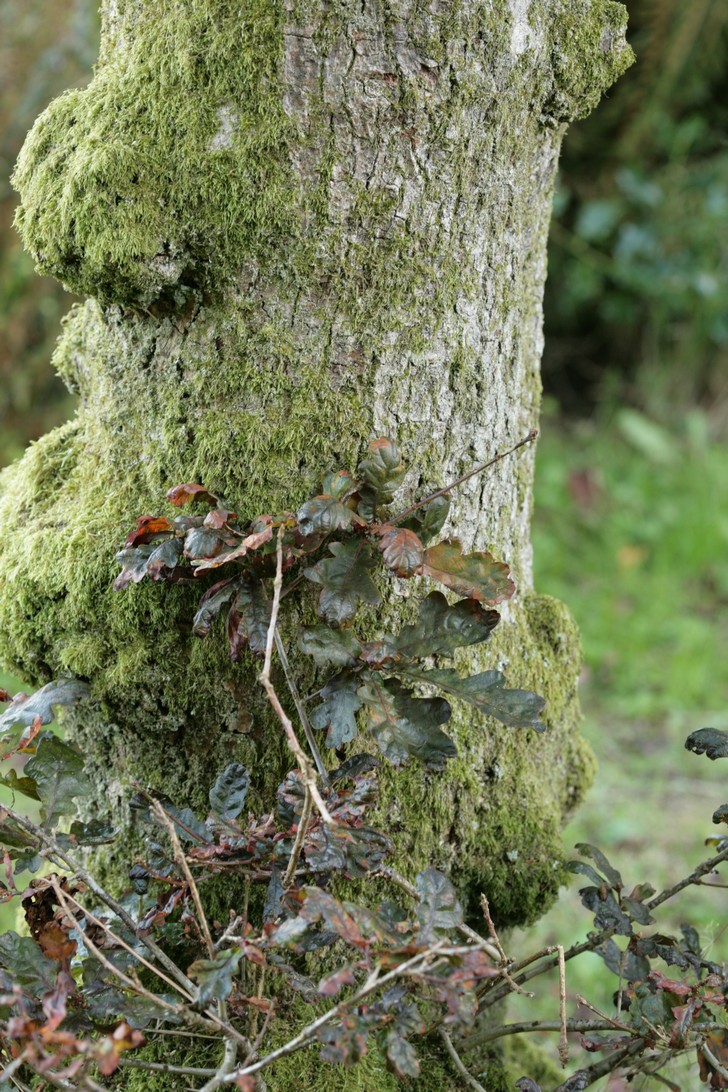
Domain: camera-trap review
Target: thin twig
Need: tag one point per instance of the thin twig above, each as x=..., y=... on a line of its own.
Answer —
x=563, y=1042
x=299, y=840
x=165, y=1067
x=300, y=709
x=127, y=947
x=64, y=860
x=303, y=1038
x=304, y=764
x=458, y=1063
x=464, y=477
x=179, y=856
x=405, y=885
x=617, y=1024
x=711, y=1058
x=600, y=1069
x=479, y=1038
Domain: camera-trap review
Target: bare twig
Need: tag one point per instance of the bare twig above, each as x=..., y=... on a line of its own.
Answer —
x=606, y=1065
x=299, y=840
x=127, y=947
x=479, y=1038
x=179, y=856
x=165, y=1067
x=563, y=1042
x=304, y=764
x=464, y=477
x=301, y=709
x=458, y=1063
x=396, y=878
x=307, y=1034
x=64, y=860
x=711, y=1058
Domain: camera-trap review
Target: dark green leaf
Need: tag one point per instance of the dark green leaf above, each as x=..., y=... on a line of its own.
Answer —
x=434, y=516
x=324, y=513
x=163, y=559
x=214, y=977
x=382, y=470
x=133, y=561
x=212, y=603
x=477, y=575
x=26, y=786
x=345, y=580
x=612, y=875
x=606, y=910
x=273, y=907
x=439, y=909
x=336, y=647
x=249, y=619
x=235, y=549
x=57, y=770
x=355, y=851
x=443, y=628
x=25, y=708
x=487, y=692
x=354, y=767
x=338, y=709
x=227, y=795
x=401, y=549
x=95, y=833
x=406, y=726
x=202, y=543
x=402, y=1056
x=24, y=960
x=627, y=965
x=709, y=741
x=339, y=484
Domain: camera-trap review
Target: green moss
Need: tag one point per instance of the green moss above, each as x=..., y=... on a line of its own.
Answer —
x=138, y=188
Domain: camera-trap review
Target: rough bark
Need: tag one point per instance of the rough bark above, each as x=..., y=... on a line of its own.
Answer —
x=302, y=224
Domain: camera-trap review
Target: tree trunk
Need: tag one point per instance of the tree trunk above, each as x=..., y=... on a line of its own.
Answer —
x=302, y=224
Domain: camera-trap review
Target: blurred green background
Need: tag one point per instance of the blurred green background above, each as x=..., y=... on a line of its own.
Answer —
x=631, y=520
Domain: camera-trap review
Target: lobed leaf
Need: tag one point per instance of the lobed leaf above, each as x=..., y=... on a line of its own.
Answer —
x=476, y=576
x=487, y=693
x=248, y=620
x=212, y=603
x=401, y=549
x=382, y=470
x=709, y=741
x=344, y=580
x=235, y=552
x=405, y=726
x=442, y=628
x=428, y=521
x=329, y=647
x=439, y=909
x=337, y=712
x=214, y=977
x=227, y=795
x=58, y=772
x=325, y=513
x=25, y=708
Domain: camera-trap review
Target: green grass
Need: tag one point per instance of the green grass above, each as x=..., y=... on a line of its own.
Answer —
x=631, y=531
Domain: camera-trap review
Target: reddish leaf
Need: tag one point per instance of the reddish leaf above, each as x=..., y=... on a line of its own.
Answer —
x=5, y=696
x=184, y=494
x=55, y=1003
x=147, y=527
x=56, y=943
x=113, y=1046
x=250, y=542
x=218, y=518
x=402, y=550
x=330, y=986
x=477, y=575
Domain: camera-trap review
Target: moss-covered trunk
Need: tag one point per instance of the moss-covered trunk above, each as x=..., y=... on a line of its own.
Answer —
x=301, y=224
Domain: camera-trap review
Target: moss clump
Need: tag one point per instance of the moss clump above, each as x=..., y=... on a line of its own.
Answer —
x=139, y=189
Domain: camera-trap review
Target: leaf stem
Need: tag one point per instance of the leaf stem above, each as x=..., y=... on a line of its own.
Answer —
x=464, y=477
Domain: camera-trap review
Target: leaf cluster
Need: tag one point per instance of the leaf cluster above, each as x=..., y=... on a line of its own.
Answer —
x=339, y=541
